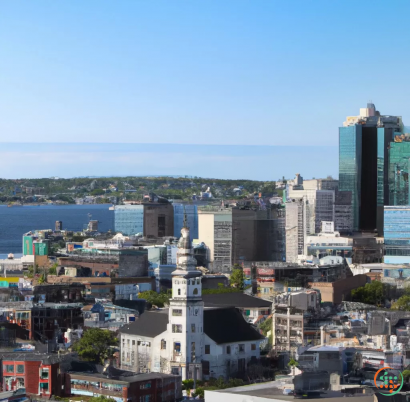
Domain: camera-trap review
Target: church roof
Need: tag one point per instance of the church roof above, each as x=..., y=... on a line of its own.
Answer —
x=149, y=324
x=223, y=325
x=227, y=325
x=236, y=299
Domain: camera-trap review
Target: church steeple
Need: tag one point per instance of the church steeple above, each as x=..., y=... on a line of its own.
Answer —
x=186, y=311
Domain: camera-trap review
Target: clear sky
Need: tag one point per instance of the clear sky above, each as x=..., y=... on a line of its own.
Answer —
x=240, y=72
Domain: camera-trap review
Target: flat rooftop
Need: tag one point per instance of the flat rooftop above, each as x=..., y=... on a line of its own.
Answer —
x=274, y=391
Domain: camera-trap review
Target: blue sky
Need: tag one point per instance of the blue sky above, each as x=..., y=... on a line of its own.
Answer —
x=282, y=74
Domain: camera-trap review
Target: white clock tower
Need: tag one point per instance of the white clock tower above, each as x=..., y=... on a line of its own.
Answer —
x=186, y=313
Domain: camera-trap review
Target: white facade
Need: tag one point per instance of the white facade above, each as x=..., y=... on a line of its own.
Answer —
x=183, y=348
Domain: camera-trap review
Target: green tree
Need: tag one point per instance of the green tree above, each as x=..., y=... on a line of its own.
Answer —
x=372, y=293
x=97, y=191
x=293, y=364
x=403, y=303
x=53, y=269
x=95, y=345
x=406, y=375
x=237, y=279
x=154, y=298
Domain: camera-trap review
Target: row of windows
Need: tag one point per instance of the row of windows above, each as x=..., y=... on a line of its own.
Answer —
x=189, y=282
x=195, y=292
x=177, y=328
x=9, y=368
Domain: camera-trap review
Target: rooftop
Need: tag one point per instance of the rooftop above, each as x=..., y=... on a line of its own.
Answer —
x=235, y=299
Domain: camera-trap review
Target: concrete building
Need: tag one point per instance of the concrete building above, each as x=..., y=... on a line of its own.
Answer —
x=329, y=243
x=152, y=219
x=215, y=230
x=258, y=234
x=297, y=227
x=289, y=319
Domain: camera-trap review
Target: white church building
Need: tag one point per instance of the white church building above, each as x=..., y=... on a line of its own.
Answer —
x=188, y=339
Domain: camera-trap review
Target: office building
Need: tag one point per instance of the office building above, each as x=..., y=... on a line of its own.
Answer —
x=320, y=194
x=191, y=212
x=297, y=218
x=215, y=230
x=152, y=219
x=129, y=219
x=258, y=234
x=329, y=243
x=397, y=234
x=364, y=161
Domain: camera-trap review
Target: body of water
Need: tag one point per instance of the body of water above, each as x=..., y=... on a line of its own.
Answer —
x=16, y=221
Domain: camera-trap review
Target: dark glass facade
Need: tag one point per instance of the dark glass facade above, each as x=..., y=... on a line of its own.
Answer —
x=350, y=160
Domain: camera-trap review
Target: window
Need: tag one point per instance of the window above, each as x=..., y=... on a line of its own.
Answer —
x=195, y=292
x=128, y=342
x=9, y=368
x=20, y=368
x=188, y=282
x=44, y=374
x=228, y=350
x=177, y=328
x=253, y=346
x=192, y=327
x=177, y=347
x=197, y=281
x=44, y=387
x=133, y=343
x=176, y=312
x=207, y=349
x=179, y=292
x=241, y=348
x=205, y=367
x=146, y=385
x=175, y=370
x=163, y=344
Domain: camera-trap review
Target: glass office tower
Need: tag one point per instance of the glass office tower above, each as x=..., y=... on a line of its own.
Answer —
x=192, y=218
x=129, y=219
x=397, y=234
x=350, y=151
x=364, y=167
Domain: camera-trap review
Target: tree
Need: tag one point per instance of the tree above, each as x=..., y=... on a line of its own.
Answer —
x=53, y=269
x=403, y=303
x=237, y=279
x=406, y=375
x=154, y=298
x=95, y=345
x=293, y=364
x=372, y=293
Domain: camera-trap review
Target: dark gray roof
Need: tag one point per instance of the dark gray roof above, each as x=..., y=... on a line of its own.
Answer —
x=238, y=299
x=223, y=325
x=149, y=324
x=227, y=325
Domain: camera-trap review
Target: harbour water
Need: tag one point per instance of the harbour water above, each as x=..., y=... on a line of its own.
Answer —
x=16, y=221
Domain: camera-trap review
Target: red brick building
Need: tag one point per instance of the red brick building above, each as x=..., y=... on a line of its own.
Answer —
x=37, y=373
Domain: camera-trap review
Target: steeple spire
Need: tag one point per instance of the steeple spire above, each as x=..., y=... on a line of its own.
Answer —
x=185, y=220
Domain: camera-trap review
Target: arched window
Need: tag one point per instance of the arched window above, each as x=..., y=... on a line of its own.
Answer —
x=176, y=282
x=195, y=291
x=163, y=344
x=179, y=292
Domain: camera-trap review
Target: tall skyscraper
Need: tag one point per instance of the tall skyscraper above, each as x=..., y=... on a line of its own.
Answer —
x=364, y=145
